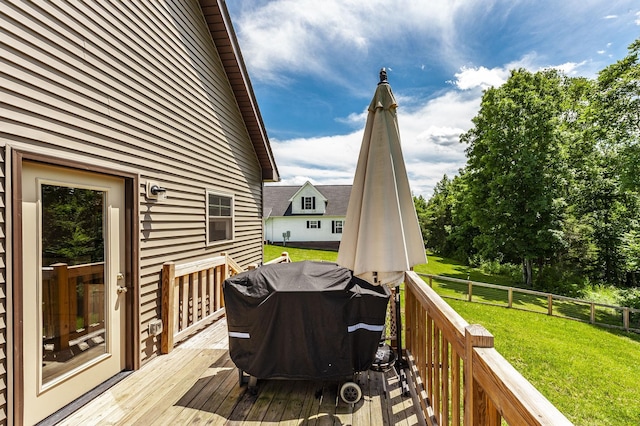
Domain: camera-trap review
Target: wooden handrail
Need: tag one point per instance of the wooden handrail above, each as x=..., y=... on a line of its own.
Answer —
x=284, y=258
x=492, y=389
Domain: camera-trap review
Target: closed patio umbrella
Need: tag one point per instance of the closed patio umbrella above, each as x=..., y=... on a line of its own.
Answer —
x=381, y=237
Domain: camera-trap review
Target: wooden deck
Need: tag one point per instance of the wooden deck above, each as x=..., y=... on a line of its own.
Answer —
x=197, y=383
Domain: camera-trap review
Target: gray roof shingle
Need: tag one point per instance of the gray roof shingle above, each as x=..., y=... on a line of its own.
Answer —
x=276, y=199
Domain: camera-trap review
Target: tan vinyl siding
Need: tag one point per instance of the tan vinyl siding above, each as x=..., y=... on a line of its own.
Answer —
x=135, y=86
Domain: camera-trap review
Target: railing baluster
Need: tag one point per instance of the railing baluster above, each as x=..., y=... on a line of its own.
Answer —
x=195, y=297
x=437, y=376
x=211, y=291
x=455, y=389
x=168, y=311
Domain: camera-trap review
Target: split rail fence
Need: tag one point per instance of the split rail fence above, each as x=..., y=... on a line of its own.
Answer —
x=600, y=314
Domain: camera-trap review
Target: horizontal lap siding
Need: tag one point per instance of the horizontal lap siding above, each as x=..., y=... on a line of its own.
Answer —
x=136, y=86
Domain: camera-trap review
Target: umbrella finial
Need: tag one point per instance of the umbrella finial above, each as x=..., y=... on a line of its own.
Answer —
x=383, y=76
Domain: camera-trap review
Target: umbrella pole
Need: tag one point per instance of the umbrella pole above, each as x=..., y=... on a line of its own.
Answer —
x=400, y=363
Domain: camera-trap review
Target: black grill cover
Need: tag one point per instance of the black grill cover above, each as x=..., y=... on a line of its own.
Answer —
x=303, y=320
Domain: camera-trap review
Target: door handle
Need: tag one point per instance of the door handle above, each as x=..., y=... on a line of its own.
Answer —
x=121, y=289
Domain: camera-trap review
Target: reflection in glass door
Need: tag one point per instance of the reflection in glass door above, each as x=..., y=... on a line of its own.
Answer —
x=73, y=277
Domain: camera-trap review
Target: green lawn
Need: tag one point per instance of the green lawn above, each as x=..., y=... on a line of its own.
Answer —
x=298, y=255
x=589, y=373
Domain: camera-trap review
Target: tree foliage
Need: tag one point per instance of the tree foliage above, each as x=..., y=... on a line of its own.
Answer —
x=551, y=180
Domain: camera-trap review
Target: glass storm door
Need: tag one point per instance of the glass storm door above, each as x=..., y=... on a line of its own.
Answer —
x=73, y=300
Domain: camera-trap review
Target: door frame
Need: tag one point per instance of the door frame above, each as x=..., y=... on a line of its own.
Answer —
x=131, y=267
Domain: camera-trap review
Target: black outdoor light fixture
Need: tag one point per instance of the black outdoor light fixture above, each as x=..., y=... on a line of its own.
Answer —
x=155, y=190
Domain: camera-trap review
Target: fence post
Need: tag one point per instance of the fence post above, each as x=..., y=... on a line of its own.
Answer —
x=470, y=291
x=550, y=304
x=625, y=318
x=477, y=408
x=510, y=297
x=431, y=281
x=168, y=280
x=592, y=318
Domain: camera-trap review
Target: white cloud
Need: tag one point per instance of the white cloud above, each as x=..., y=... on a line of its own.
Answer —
x=570, y=68
x=354, y=119
x=611, y=17
x=307, y=36
x=429, y=132
x=480, y=77
x=474, y=78
x=638, y=18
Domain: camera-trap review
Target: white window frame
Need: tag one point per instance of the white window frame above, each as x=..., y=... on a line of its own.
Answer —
x=313, y=224
x=338, y=223
x=230, y=221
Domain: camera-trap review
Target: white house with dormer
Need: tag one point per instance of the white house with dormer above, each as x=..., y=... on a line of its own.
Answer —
x=305, y=216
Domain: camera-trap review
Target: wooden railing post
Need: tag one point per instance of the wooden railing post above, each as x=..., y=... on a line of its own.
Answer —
x=63, y=326
x=550, y=304
x=168, y=279
x=470, y=291
x=477, y=409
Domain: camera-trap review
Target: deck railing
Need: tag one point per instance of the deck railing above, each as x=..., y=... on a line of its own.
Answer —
x=601, y=314
x=459, y=376
x=192, y=296
x=284, y=258
x=72, y=302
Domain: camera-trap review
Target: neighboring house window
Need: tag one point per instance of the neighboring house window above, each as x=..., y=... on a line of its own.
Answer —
x=219, y=217
x=308, y=203
x=336, y=226
x=313, y=224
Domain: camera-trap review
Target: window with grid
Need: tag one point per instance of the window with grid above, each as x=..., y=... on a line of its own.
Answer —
x=219, y=217
x=308, y=203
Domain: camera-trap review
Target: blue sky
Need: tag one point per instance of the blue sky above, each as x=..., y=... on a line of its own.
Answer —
x=314, y=68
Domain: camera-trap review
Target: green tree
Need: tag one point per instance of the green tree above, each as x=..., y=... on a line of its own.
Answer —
x=72, y=225
x=420, y=205
x=611, y=198
x=517, y=169
x=437, y=222
x=616, y=110
x=449, y=230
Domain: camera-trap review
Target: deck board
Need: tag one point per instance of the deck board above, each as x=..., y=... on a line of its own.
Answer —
x=197, y=383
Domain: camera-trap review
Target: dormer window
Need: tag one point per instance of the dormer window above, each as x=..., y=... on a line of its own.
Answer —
x=308, y=203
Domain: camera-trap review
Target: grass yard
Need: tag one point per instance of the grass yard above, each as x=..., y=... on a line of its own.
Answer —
x=590, y=373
